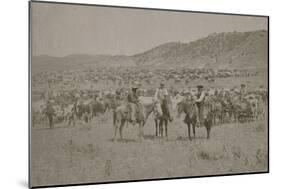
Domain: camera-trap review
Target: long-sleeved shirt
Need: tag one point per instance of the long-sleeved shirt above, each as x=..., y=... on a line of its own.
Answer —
x=160, y=94
x=133, y=97
x=201, y=97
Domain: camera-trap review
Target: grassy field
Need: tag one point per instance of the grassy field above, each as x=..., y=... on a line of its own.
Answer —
x=86, y=152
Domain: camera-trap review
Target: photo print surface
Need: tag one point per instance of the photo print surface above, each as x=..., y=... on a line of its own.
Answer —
x=124, y=94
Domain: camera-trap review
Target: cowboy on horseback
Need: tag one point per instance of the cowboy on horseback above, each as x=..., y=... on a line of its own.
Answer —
x=161, y=96
x=50, y=112
x=243, y=91
x=200, y=98
x=133, y=100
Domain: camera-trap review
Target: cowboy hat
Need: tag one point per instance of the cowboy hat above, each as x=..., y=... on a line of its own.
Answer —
x=162, y=83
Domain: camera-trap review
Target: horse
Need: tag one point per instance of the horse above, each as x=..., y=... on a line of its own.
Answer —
x=208, y=115
x=97, y=107
x=188, y=106
x=69, y=114
x=244, y=113
x=121, y=115
x=216, y=106
x=161, y=118
x=83, y=110
x=38, y=109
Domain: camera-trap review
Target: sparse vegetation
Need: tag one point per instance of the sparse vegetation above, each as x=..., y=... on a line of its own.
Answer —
x=90, y=155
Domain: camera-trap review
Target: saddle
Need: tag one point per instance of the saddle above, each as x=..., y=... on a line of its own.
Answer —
x=129, y=111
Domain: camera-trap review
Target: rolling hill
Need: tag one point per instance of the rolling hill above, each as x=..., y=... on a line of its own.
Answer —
x=218, y=50
x=222, y=50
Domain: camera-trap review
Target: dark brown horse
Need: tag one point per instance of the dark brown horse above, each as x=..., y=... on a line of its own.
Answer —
x=208, y=114
x=188, y=106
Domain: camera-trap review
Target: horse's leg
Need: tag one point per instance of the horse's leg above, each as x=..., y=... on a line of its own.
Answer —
x=188, y=129
x=166, y=128
x=116, y=124
x=71, y=120
x=193, y=129
x=232, y=116
x=224, y=116
x=115, y=133
x=208, y=133
x=85, y=118
x=156, y=127
x=51, y=119
x=208, y=128
x=88, y=117
x=139, y=135
x=68, y=120
x=121, y=128
x=74, y=120
x=140, y=131
x=161, y=128
x=236, y=116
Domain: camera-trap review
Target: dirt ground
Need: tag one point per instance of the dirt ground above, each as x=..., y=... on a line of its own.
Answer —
x=86, y=153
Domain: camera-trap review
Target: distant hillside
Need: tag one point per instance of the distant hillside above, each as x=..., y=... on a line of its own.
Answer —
x=218, y=50
x=43, y=63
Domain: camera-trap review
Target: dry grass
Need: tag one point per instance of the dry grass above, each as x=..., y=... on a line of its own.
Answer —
x=86, y=153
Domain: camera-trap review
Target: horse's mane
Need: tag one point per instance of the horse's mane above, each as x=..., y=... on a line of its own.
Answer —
x=187, y=105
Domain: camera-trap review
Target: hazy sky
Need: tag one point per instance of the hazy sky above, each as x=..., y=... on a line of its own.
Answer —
x=60, y=30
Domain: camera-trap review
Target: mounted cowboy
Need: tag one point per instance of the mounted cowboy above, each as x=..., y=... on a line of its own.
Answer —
x=133, y=101
x=161, y=96
x=200, y=98
x=243, y=91
x=50, y=112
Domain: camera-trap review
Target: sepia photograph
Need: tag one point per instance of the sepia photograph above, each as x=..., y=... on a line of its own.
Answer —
x=121, y=94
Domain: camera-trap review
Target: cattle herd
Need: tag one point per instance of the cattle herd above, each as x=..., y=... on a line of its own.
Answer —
x=121, y=76
x=69, y=96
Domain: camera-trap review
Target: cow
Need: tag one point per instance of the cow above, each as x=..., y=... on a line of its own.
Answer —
x=38, y=111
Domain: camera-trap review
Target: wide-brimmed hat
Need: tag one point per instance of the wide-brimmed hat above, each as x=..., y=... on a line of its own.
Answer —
x=51, y=101
x=186, y=91
x=136, y=85
x=162, y=83
x=200, y=86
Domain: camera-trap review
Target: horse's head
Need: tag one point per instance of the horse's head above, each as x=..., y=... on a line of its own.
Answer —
x=127, y=112
x=185, y=104
x=179, y=108
x=156, y=108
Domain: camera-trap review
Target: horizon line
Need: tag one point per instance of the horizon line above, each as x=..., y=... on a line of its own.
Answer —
x=115, y=55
